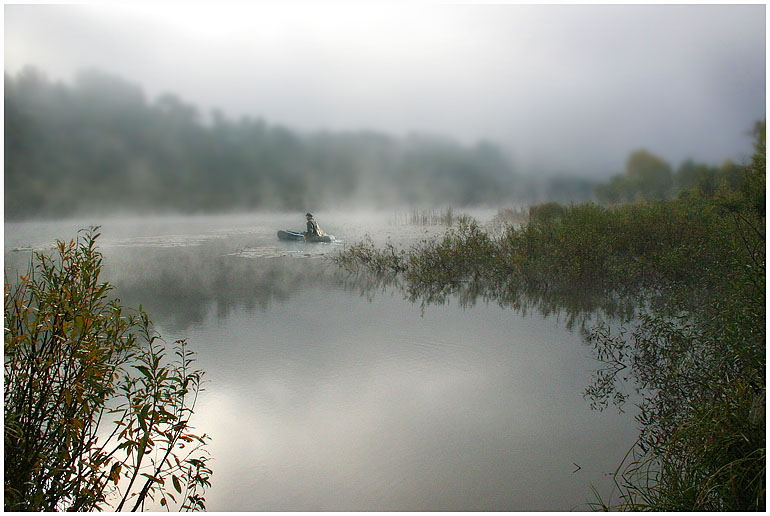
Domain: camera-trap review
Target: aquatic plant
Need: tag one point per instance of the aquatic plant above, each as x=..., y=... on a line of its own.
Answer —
x=432, y=217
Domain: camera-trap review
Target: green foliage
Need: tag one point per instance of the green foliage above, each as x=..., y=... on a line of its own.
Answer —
x=507, y=217
x=449, y=265
x=97, y=415
x=754, y=186
x=364, y=255
x=684, y=283
x=545, y=212
x=714, y=460
x=647, y=177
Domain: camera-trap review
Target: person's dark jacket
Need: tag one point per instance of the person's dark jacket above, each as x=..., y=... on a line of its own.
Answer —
x=313, y=229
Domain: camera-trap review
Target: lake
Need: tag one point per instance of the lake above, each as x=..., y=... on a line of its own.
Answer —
x=323, y=394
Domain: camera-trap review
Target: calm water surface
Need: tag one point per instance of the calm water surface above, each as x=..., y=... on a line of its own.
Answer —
x=322, y=395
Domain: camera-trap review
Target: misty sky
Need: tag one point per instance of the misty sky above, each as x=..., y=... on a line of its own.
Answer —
x=572, y=88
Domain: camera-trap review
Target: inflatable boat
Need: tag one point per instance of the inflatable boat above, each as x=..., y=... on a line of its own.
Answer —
x=294, y=235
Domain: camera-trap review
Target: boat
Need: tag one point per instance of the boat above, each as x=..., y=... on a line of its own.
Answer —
x=294, y=235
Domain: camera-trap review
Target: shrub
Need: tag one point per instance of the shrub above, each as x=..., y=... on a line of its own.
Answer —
x=545, y=212
x=96, y=415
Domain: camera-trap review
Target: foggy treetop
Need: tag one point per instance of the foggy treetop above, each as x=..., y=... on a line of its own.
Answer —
x=100, y=145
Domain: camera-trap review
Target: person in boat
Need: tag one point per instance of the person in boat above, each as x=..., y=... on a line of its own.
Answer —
x=313, y=229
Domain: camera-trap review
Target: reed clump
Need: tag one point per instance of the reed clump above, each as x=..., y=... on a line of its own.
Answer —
x=429, y=217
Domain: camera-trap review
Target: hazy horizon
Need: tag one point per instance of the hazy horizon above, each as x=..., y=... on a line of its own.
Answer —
x=562, y=88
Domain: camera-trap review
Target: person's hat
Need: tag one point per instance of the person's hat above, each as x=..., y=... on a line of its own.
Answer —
x=308, y=214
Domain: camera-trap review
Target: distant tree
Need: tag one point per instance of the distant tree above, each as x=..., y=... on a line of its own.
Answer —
x=569, y=189
x=686, y=175
x=108, y=93
x=650, y=176
x=707, y=181
x=730, y=175
x=755, y=182
x=617, y=190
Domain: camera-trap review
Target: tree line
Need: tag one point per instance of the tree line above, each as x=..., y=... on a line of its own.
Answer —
x=648, y=177
x=100, y=144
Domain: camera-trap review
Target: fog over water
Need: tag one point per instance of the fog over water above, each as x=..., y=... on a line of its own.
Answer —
x=564, y=88
x=324, y=393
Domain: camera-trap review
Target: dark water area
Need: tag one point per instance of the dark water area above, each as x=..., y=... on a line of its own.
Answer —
x=323, y=394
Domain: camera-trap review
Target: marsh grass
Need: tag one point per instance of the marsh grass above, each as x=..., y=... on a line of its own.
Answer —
x=683, y=283
x=433, y=217
x=715, y=460
x=687, y=275
x=506, y=217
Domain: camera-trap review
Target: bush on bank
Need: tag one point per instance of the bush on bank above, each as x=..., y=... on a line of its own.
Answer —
x=686, y=278
x=97, y=407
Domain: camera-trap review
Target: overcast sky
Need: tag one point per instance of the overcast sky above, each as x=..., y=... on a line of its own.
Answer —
x=571, y=88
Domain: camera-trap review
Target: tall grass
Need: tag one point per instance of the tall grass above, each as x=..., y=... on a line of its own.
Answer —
x=431, y=217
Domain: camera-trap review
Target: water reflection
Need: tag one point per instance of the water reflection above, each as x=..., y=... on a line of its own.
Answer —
x=333, y=392
x=330, y=403
x=573, y=308
x=179, y=287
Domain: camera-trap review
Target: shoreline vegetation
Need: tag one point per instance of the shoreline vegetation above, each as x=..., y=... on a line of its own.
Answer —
x=669, y=294
x=97, y=405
